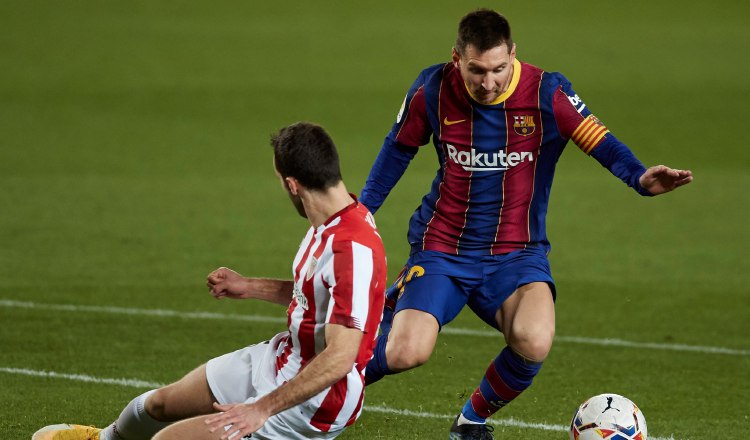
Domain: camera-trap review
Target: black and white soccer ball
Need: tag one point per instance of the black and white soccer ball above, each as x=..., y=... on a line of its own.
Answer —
x=610, y=417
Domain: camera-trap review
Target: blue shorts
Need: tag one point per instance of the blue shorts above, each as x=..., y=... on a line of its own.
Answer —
x=441, y=284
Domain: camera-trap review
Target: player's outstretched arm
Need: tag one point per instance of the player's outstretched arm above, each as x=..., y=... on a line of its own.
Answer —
x=226, y=283
x=661, y=179
x=327, y=368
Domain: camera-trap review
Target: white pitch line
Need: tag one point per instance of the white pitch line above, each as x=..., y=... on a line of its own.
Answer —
x=510, y=421
x=612, y=342
x=142, y=312
x=138, y=383
x=135, y=383
x=445, y=330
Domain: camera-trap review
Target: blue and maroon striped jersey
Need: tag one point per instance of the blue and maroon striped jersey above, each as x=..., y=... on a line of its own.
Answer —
x=497, y=161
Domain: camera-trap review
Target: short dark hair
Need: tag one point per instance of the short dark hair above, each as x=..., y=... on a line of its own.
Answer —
x=483, y=29
x=304, y=151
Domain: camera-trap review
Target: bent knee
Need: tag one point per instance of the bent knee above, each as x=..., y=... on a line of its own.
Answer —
x=156, y=405
x=533, y=344
x=406, y=355
x=411, y=340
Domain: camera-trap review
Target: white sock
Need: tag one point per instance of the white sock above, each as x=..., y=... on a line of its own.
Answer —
x=461, y=421
x=134, y=422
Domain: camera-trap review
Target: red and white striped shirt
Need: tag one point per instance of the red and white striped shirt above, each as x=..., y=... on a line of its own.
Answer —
x=339, y=278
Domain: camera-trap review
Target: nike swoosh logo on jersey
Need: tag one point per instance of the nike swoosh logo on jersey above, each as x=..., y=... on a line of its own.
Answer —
x=447, y=122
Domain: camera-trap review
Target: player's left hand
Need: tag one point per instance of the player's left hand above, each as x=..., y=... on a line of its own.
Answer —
x=661, y=179
x=242, y=419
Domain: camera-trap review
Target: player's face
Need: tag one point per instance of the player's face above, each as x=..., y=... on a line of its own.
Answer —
x=486, y=74
x=295, y=198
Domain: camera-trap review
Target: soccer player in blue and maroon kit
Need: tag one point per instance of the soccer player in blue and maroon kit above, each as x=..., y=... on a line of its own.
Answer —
x=498, y=126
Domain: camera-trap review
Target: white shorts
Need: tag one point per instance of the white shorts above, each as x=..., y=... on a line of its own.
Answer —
x=248, y=374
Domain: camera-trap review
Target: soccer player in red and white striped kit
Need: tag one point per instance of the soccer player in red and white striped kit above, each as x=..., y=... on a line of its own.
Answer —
x=304, y=383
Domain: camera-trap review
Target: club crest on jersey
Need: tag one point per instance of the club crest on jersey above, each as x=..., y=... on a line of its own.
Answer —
x=311, y=268
x=523, y=125
x=300, y=297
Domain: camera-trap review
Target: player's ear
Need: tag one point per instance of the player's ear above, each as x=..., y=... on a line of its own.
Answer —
x=456, y=57
x=292, y=185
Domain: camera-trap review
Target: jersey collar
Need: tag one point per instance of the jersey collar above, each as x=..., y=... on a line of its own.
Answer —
x=340, y=213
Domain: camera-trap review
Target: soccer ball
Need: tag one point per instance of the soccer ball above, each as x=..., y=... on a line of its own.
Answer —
x=608, y=416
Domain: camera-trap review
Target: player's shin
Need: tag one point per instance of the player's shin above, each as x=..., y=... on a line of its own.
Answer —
x=506, y=377
x=134, y=422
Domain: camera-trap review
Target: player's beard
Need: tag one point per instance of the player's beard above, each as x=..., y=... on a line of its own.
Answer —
x=297, y=202
x=488, y=97
x=481, y=95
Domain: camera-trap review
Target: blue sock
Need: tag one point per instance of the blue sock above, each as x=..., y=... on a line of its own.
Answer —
x=506, y=377
x=378, y=365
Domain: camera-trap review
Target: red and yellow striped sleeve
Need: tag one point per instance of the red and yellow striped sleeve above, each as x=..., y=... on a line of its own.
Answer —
x=589, y=134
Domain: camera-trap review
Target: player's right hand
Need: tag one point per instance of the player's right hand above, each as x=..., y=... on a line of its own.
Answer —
x=224, y=282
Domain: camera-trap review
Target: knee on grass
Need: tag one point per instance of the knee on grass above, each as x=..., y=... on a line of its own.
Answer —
x=157, y=406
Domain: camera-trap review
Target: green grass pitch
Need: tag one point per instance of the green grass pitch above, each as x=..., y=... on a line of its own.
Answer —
x=134, y=159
